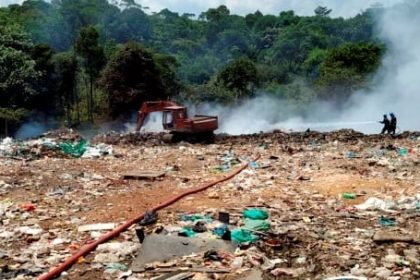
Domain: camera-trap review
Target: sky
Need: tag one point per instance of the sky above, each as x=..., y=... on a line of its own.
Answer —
x=344, y=8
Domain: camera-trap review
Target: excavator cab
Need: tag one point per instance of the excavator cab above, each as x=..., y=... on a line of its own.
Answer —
x=172, y=115
x=167, y=119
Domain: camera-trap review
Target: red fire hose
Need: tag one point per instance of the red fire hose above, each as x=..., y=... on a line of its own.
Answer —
x=110, y=235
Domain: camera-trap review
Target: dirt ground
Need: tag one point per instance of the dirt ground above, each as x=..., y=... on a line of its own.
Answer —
x=298, y=175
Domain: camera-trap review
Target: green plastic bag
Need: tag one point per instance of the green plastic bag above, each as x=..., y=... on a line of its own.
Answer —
x=75, y=150
x=255, y=214
x=257, y=225
x=117, y=266
x=402, y=152
x=243, y=236
x=386, y=222
x=188, y=232
x=347, y=195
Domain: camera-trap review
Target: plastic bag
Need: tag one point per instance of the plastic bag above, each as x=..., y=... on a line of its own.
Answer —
x=187, y=232
x=253, y=164
x=255, y=214
x=374, y=203
x=243, y=236
x=351, y=154
x=116, y=266
x=347, y=195
x=386, y=222
x=75, y=150
x=257, y=225
x=402, y=152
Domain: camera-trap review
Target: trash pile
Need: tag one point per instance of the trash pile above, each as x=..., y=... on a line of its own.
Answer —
x=267, y=243
x=116, y=138
x=85, y=150
x=338, y=205
x=51, y=147
x=6, y=146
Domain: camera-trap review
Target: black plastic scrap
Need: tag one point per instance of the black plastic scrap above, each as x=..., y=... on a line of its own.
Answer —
x=150, y=217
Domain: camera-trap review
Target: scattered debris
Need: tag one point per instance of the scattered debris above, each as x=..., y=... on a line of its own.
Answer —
x=150, y=218
x=384, y=237
x=144, y=174
x=96, y=227
x=283, y=217
x=159, y=249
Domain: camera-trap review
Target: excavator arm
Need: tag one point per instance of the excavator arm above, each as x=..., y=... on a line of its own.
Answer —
x=149, y=107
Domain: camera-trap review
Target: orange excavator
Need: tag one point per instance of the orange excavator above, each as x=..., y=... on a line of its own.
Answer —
x=175, y=120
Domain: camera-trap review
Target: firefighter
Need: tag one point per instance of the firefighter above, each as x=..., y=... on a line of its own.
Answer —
x=386, y=124
x=392, y=124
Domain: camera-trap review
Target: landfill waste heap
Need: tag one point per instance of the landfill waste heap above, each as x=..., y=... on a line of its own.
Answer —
x=337, y=205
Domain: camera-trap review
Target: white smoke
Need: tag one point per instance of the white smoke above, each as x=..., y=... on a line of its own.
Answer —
x=397, y=90
x=35, y=127
x=266, y=113
x=31, y=129
x=153, y=123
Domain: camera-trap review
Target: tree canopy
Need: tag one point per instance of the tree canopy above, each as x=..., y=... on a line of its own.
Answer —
x=98, y=59
x=133, y=75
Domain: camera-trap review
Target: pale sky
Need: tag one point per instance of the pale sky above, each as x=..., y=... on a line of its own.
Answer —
x=343, y=8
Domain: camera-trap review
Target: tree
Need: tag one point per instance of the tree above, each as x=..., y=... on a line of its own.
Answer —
x=322, y=11
x=93, y=60
x=313, y=62
x=287, y=18
x=216, y=22
x=216, y=15
x=11, y=115
x=17, y=74
x=347, y=67
x=200, y=70
x=252, y=19
x=130, y=24
x=283, y=48
x=79, y=13
x=46, y=98
x=167, y=70
x=131, y=77
x=210, y=92
x=65, y=76
x=240, y=76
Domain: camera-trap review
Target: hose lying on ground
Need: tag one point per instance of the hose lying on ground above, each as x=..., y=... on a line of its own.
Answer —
x=110, y=235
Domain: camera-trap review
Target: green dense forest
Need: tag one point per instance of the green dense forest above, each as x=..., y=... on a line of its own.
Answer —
x=86, y=61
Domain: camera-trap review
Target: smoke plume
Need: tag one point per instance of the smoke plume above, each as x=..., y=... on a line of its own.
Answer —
x=397, y=90
x=398, y=82
x=34, y=128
